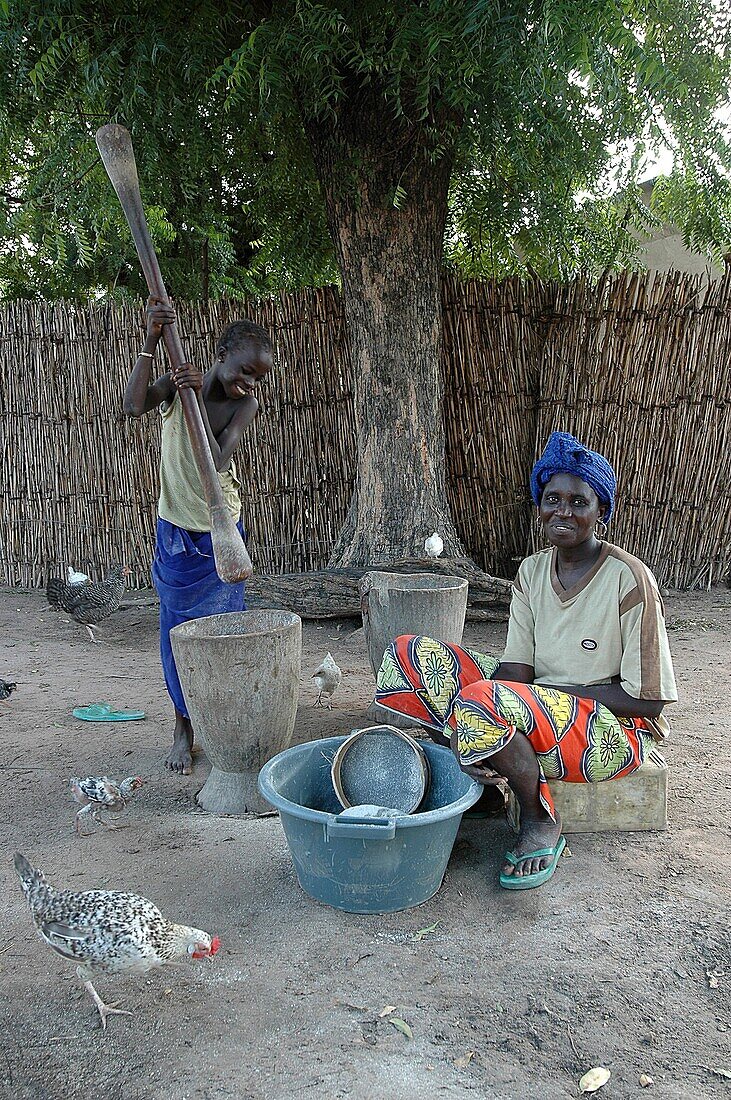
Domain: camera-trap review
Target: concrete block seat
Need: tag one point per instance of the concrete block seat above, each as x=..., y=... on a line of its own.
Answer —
x=633, y=804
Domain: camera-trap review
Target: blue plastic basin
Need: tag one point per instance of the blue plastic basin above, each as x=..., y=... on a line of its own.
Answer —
x=377, y=866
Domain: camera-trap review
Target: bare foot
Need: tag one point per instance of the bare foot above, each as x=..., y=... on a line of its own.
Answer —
x=180, y=758
x=533, y=836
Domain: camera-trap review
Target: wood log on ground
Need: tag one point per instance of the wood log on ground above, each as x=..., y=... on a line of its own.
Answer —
x=333, y=593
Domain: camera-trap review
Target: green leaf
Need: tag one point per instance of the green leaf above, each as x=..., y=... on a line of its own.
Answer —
x=428, y=931
x=401, y=1026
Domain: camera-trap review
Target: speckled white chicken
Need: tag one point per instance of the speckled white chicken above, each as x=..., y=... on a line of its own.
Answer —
x=108, y=932
x=98, y=792
x=327, y=677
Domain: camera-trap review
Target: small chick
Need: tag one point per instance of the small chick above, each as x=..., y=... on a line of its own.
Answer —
x=77, y=578
x=327, y=677
x=433, y=546
x=6, y=689
x=98, y=792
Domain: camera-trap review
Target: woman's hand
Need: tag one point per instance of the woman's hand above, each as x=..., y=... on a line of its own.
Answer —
x=187, y=377
x=482, y=772
x=484, y=775
x=159, y=314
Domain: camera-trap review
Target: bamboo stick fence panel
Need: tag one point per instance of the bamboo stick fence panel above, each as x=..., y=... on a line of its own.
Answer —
x=636, y=366
x=491, y=347
x=654, y=395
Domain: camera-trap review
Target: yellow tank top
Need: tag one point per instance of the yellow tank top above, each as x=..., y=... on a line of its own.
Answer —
x=181, y=491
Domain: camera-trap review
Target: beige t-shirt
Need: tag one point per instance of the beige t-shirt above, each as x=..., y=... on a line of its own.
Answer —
x=181, y=491
x=608, y=627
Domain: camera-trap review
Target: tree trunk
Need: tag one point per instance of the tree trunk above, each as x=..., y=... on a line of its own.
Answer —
x=387, y=202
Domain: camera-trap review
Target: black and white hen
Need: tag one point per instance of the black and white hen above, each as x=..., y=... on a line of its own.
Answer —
x=6, y=689
x=91, y=603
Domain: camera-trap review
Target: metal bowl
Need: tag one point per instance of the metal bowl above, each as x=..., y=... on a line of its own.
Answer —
x=381, y=766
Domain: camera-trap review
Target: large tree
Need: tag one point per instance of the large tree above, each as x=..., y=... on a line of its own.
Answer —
x=281, y=142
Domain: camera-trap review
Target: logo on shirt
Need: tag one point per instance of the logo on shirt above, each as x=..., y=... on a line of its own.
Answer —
x=589, y=643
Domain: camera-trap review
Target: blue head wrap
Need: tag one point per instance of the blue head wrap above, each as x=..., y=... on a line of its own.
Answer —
x=565, y=455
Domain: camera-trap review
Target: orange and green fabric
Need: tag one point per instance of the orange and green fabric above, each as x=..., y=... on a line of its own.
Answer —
x=448, y=689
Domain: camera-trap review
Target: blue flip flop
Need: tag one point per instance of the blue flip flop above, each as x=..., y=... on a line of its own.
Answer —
x=102, y=712
x=529, y=882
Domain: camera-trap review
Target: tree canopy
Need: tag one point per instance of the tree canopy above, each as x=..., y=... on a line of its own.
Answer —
x=297, y=141
x=545, y=109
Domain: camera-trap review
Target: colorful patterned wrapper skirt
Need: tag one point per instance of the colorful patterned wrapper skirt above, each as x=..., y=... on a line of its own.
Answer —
x=448, y=689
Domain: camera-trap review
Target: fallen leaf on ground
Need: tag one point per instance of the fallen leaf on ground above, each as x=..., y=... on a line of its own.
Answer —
x=401, y=1026
x=464, y=1059
x=387, y=1010
x=646, y=1080
x=428, y=931
x=713, y=976
x=594, y=1079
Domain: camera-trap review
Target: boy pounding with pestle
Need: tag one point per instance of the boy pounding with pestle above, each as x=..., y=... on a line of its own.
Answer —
x=183, y=569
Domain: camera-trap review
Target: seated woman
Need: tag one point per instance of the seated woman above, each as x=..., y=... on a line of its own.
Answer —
x=586, y=672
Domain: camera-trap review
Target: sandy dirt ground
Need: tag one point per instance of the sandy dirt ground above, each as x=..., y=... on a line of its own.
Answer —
x=622, y=960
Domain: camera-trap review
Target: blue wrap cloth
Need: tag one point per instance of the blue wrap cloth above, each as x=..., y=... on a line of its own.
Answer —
x=564, y=454
x=185, y=577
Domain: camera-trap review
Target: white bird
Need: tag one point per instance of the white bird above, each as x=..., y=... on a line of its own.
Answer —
x=433, y=546
x=327, y=677
x=77, y=578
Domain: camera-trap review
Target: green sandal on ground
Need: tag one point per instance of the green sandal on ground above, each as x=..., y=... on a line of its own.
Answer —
x=102, y=712
x=529, y=882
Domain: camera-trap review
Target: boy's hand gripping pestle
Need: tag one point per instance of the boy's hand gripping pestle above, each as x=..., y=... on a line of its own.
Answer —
x=233, y=563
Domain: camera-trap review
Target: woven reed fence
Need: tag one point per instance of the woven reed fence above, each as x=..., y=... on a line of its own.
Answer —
x=636, y=366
